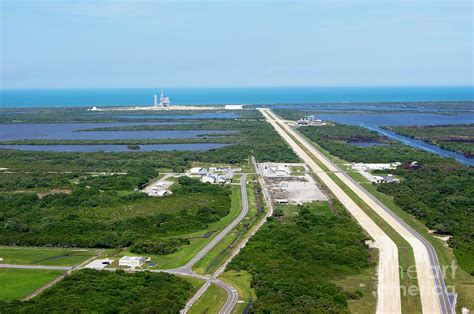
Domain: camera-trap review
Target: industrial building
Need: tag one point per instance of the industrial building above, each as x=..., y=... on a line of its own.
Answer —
x=132, y=261
x=233, y=107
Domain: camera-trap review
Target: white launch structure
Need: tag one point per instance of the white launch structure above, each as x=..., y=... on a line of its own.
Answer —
x=164, y=101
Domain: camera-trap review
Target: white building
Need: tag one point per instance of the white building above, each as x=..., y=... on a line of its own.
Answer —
x=233, y=107
x=132, y=261
x=370, y=167
x=282, y=172
x=195, y=171
x=209, y=179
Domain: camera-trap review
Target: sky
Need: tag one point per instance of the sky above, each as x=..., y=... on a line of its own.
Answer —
x=118, y=44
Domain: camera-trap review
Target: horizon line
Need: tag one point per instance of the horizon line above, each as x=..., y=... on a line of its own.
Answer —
x=237, y=87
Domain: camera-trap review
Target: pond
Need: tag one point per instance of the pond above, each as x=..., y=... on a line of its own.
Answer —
x=114, y=148
x=10, y=132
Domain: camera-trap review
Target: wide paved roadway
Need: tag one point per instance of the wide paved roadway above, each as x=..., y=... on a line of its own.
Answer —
x=433, y=294
x=388, y=287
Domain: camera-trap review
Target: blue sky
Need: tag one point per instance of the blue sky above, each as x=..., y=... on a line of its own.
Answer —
x=83, y=44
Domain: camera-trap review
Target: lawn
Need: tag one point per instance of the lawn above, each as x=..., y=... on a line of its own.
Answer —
x=241, y=280
x=297, y=170
x=202, y=266
x=18, y=283
x=211, y=301
x=44, y=256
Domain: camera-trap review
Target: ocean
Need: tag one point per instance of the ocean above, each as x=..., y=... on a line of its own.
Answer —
x=202, y=96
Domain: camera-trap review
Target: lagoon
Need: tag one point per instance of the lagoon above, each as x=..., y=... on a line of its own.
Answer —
x=10, y=132
x=114, y=148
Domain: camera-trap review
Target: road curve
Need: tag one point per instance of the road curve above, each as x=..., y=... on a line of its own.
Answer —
x=186, y=270
x=433, y=293
x=388, y=287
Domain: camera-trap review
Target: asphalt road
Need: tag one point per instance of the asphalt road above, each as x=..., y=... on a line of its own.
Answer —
x=388, y=285
x=35, y=267
x=433, y=293
x=186, y=270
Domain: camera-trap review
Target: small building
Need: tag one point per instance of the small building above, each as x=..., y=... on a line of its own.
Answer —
x=303, y=122
x=209, y=179
x=222, y=179
x=132, y=261
x=281, y=201
x=195, y=171
x=390, y=179
x=162, y=193
x=282, y=172
x=233, y=107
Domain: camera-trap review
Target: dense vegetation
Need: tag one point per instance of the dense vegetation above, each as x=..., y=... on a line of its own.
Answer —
x=336, y=139
x=94, y=214
x=91, y=291
x=294, y=260
x=439, y=193
x=436, y=107
x=457, y=137
x=87, y=199
x=443, y=197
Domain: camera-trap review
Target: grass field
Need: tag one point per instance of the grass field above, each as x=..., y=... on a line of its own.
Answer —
x=18, y=283
x=240, y=281
x=211, y=301
x=44, y=256
x=222, y=250
x=366, y=281
x=197, y=241
x=204, y=264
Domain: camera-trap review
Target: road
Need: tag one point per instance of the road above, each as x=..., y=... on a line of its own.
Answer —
x=430, y=279
x=436, y=275
x=388, y=288
x=186, y=270
x=35, y=267
x=232, y=294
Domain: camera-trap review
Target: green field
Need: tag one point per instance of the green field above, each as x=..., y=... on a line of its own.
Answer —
x=241, y=281
x=202, y=266
x=44, y=256
x=211, y=301
x=18, y=283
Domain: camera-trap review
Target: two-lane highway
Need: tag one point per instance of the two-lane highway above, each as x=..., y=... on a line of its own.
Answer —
x=186, y=270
